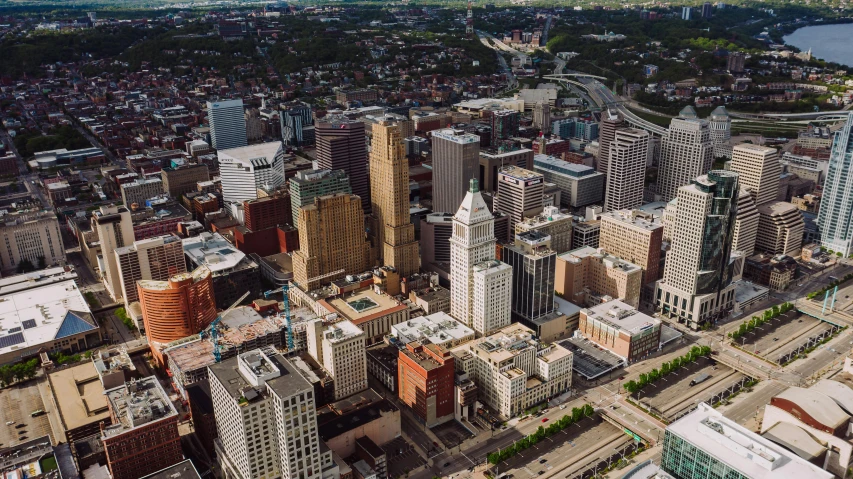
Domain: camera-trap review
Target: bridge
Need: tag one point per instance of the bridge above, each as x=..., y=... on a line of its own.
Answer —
x=825, y=312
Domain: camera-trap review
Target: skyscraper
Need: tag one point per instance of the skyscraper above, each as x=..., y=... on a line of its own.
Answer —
x=835, y=219
x=686, y=152
x=721, y=129
x=504, y=125
x=542, y=117
x=492, y=297
x=342, y=145
x=227, y=124
x=244, y=170
x=266, y=418
x=697, y=281
x=307, y=185
x=746, y=224
x=534, y=265
x=389, y=193
x=157, y=258
x=331, y=238
x=520, y=194
x=758, y=169
x=707, y=10
x=115, y=230
x=472, y=242
x=626, y=169
x=455, y=160
x=610, y=122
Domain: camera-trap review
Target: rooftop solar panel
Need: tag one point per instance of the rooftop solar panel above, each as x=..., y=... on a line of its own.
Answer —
x=11, y=340
x=29, y=323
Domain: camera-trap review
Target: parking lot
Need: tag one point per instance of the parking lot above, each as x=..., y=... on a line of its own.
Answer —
x=784, y=335
x=402, y=457
x=451, y=433
x=16, y=404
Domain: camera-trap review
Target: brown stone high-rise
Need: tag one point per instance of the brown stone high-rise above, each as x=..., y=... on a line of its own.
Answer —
x=389, y=191
x=331, y=238
x=341, y=145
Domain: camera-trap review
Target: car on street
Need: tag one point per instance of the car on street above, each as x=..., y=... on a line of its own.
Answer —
x=544, y=419
x=446, y=464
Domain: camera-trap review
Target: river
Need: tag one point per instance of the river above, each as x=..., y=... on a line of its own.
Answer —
x=827, y=42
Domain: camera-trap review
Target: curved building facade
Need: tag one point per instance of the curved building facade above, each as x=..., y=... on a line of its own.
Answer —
x=179, y=307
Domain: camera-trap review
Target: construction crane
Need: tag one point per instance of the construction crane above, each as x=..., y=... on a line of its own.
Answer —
x=214, y=333
x=286, y=303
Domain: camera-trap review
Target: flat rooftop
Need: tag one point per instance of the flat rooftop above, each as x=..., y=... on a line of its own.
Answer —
x=137, y=403
x=621, y=316
x=213, y=251
x=288, y=381
x=35, y=316
x=518, y=173
x=635, y=219
x=741, y=449
x=342, y=331
x=181, y=470
x=609, y=260
x=79, y=395
x=363, y=305
x=437, y=328
x=591, y=360
x=35, y=279
x=564, y=167
x=245, y=154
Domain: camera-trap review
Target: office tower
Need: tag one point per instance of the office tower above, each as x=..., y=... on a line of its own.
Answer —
x=254, y=126
x=472, y=242
x=720, y=124
x=426, y=381
x=31, y=236
x=227, y=124
x=686, y=13
x=587, y=276
x=294, y=118
x=542, y=117
x=182, y=180
x=144, y=437
x=686, y=152
x=697, y=281
x=141, y=189
x=554, y=224
x=339, y=349
x=835, y=219
x=610, y=122
x=707, y=10
x=634, y=236
x=389, y=193
x=266, y=418
x=758, y=170
x=705, y=444
x=510, y=391
x=341, y=145
x=115, y=230
x=626, y=169
x=244, y=170
x=268, y=211
x=331, y=238
x=504, y=124
x=157, y=258
x=455, y=161
x=735, y=62
x=307, y=185
x=579, y=185
x=493, y=160
x=492, y=300
x=533, y=265
x=520, y=194
x=436, y=229
x=178, y=307
x=746, y=224
x=780, y=228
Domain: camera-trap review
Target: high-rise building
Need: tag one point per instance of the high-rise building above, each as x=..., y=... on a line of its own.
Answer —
x=503, y=364
x=554, y=224
x=144, y=435
x=309, y=184
x=31, y=236
x=266, y=418
x=634, y=236
x=472, y=242
x=746, y=224
x=331, y=238
x=504, y=124
x=455, y=161
x=621, y=329
x=179, y=307
x=295, y=117
x=492, y=297
x=115, y=230
x=579, y=185
x=426, y=382
x=520, y=194
x=626, y=169
x=706, y=444
x=227, y=124
x=341, y=145
x=735, y=62
x=533, y=265
x=758, y=170
x=835, y=218
x=780, y=228
x=244, y=170
x=542, y=117
x=158, y=258
x=389, y=193
x=234, y=273
x=720, y=124
x=588, y=276
x=268, y=211
x=686, y=152
x=339, y=349
x=697, y=282
x=493, y=160
x=686, y=13
x=707, y=10
x=182, y=180
x=610, y=122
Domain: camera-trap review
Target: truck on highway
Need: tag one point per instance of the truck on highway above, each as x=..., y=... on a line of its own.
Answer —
x=700, y=378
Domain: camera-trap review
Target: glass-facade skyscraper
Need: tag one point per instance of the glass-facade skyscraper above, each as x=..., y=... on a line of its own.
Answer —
x=835, y=219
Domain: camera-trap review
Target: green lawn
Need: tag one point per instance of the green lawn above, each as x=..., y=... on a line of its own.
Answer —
x=48, y=464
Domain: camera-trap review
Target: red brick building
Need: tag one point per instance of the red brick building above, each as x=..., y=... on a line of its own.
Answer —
x=267, y=212
x=425, y=382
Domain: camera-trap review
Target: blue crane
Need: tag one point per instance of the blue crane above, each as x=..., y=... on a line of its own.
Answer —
x=214, y=332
